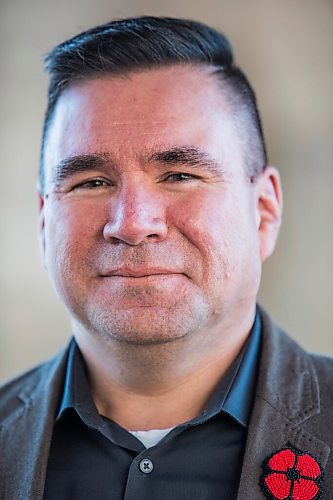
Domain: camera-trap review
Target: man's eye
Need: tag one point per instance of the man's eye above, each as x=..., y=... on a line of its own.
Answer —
x=180, y=177
x=92, y=184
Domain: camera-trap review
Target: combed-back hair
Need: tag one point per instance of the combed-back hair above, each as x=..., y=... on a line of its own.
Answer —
x=123, y=46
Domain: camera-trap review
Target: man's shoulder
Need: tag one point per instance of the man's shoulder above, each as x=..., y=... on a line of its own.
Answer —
x=283, y=342
x=324, y=369
x=32, y=384
x=322, y=362
x=286, y=363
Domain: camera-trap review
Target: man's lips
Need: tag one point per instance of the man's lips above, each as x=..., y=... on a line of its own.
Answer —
x=141, y=273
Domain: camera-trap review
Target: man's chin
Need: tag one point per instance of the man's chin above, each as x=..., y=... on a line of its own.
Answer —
x=137, y=338
x=145, y=326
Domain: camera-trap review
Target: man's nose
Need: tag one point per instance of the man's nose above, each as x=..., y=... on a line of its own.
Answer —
x=137, y=215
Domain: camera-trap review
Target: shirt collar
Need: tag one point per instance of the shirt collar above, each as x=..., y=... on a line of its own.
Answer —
x=76, y=392
x=234, y=395
x=239, y=399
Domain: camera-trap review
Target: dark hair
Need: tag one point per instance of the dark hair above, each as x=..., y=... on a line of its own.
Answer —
x=126, y=45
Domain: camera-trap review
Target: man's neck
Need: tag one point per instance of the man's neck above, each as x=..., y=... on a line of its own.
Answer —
x=159, y=386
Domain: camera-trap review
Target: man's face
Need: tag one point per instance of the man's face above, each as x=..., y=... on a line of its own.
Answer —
x=150, y=224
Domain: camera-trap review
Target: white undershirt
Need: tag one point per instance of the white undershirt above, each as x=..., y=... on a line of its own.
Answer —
x=151, y=437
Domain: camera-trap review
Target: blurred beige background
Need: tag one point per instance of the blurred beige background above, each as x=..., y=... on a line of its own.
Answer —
x=285, y=47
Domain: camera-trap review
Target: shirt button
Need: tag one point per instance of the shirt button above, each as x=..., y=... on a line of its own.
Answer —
x=146, y=466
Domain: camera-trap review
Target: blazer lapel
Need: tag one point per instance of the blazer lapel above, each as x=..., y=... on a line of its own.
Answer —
x=23, y=469
x=287, y=396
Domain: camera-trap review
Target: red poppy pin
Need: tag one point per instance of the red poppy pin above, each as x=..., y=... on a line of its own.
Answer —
x=291, y=474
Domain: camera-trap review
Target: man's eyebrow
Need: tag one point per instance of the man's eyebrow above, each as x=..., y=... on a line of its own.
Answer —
x=77, y=164
x=189, y=156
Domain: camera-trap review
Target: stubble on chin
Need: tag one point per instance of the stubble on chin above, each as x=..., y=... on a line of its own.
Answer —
x=146, y=321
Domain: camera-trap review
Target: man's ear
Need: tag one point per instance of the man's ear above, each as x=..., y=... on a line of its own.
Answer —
x=269, y=210
x=41, y=208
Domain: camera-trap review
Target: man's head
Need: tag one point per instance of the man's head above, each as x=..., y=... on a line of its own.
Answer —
x=121, y=47
x=157, y=209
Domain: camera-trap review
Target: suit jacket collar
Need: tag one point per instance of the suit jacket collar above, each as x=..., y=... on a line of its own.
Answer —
x=23, y=469
x=287, y=395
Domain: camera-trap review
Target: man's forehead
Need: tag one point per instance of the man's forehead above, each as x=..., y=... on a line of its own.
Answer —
x=152, y=109
x=185, y=82
x=150, y=92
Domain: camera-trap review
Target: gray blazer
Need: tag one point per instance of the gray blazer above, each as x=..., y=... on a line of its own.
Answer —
x=293, y=404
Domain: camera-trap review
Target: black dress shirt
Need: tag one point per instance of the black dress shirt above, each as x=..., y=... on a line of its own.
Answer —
x=92, y=457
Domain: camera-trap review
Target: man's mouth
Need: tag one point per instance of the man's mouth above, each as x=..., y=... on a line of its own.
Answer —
x=141, y=272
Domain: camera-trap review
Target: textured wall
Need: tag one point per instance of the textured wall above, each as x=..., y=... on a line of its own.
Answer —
x=285, y=48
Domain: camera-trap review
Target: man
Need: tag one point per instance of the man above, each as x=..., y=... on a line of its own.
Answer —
x=157, y=210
